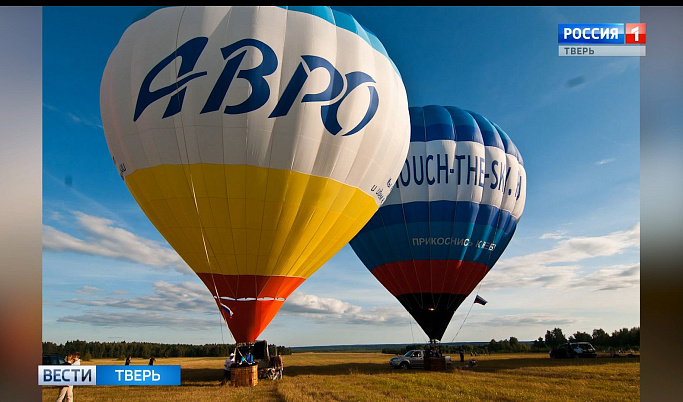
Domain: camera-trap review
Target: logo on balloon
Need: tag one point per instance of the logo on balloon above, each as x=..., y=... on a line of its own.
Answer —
x=338, y=90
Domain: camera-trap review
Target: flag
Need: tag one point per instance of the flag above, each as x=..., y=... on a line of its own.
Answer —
x=480, y=300
x=227, y=310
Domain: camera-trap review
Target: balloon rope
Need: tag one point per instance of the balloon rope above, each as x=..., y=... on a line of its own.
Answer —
x=412, y=335
x=468, y=314
x=206, y=253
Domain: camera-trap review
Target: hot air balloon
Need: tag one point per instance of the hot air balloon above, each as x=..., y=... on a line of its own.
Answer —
x=257, y=140
x=454, y=209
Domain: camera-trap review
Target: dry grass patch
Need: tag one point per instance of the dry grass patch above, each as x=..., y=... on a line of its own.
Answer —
x=368, y=377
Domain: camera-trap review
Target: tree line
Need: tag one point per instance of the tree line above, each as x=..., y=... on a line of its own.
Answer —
x=119, y=350
x=624, y=339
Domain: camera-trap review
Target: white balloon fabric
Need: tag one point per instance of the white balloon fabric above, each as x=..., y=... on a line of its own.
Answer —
x=258, y=141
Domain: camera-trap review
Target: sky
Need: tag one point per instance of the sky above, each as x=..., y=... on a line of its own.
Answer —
x=573, y=263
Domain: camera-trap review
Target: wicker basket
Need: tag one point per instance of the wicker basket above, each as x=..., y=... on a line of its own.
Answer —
x=246, y=376
x=435, y=363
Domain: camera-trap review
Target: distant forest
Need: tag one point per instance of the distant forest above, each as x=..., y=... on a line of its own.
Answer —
x=119, y=350
x=623, y=339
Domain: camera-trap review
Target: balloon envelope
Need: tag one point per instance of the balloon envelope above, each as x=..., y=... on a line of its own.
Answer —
x=455, y=208
x=256, y=140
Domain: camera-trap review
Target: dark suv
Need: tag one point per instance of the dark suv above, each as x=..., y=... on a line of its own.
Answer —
x=53, y=360
x=574, y=350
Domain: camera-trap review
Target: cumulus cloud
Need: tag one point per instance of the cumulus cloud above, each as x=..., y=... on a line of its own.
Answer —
x=141, y=319
x=560, y=265
x=88, y=290
x=184, y=305
x=103, y=238
x=525, y=320
x=615, y=277
x=180, y=298
x=169, y=301
x=324, y=309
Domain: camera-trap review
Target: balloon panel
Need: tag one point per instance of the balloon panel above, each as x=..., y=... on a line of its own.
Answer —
x=256, y=141
x=455, y=208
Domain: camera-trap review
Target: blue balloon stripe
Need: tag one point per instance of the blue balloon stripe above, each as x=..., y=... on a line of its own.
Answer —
x=430, y=241
x=443, y=211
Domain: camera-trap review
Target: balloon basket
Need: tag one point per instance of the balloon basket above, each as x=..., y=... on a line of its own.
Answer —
x=435, y=363
x=246, y=376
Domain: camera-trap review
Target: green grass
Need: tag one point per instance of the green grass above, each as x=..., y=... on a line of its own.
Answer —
x=368, y=377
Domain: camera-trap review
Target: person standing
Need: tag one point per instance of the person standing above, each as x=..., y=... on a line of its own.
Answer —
x=277, y=366
x=128, y=360
x=152, y=360
x=226, y=368
x=76, y=362
x=462, y=354
x=67, y=390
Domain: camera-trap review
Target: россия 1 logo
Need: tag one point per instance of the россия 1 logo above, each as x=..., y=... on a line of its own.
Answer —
x=591, y=33
x=608, y=39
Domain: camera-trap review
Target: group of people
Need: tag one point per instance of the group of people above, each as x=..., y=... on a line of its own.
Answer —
x=67, y=392
x=151, y=360
x=432, y=351
x=275, y=365
x=231, y=361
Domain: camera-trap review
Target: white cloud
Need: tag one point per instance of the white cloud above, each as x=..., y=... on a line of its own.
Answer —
x=325, y=309
x=616, y=277
x=142, y=319
x=605, y=161
x=524, y=320
x=306, y=304
x=180, y=298
x=556, y=235
x=184, y=305
x=559, y=266
x=88, y=290
x=103, y=238
x=170, y=301
x=79, y=120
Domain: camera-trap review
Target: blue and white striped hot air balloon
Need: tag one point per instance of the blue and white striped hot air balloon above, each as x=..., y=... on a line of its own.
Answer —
x=452, y=212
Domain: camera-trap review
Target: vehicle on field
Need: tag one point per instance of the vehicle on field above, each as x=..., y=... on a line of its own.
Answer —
x=54, y=360
x=573, y=350
x=412, y=359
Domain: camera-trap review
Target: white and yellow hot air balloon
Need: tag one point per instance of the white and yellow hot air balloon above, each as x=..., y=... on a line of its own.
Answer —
x=257, y=140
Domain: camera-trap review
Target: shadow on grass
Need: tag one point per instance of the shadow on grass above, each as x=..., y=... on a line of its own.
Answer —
x=492, y=366
x=200, y=376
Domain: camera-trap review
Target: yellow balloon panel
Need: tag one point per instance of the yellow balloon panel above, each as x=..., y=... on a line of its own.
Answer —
x=290, y=227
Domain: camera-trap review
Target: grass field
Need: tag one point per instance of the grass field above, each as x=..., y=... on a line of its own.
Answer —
x=368, y=377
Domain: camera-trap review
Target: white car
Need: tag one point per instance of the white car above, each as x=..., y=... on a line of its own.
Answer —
x=413, y=358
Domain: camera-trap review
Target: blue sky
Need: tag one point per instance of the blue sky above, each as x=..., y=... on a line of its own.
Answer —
x=573, y=263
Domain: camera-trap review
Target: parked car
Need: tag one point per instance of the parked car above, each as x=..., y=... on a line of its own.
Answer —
x=412, y=359
x=53, y=360
x=573, y=350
